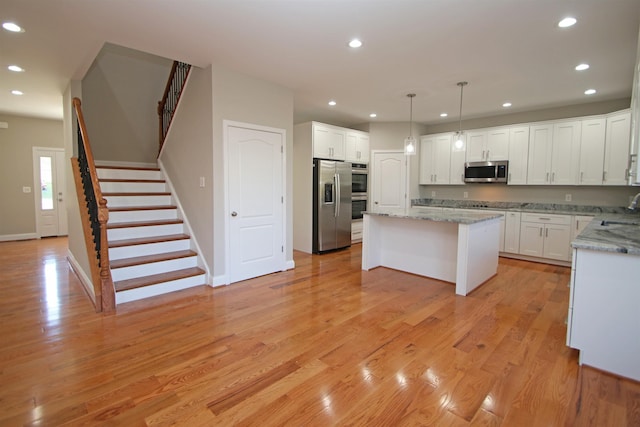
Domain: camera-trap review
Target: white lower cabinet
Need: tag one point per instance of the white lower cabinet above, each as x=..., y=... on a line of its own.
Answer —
x=546, y=236
x=578, y=223
x=512, y=232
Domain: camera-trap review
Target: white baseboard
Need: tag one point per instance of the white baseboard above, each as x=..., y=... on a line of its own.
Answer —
x=219, y=280
x=289, y=265
x=125, y=164
x=84, y=279
x=23, y=236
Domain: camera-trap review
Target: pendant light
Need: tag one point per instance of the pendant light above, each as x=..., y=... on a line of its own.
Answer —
x=410, y=141
x=459, y=136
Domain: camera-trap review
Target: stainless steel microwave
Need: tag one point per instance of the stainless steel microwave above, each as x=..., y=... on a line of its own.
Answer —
x=496, y=171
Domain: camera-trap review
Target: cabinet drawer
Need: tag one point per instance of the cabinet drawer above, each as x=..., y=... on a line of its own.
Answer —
x=546, y=219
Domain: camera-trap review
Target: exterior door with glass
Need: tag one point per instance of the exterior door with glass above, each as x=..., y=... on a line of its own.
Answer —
x=49, y=184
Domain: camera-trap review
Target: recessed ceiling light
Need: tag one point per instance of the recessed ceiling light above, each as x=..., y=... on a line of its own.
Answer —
x=589, y=91
x=373, y=115
x=15, y=68
x=17, y=92
x=443, y=114
x=582, y=67
x=13, y=27
x=332, y=103
x=506, y=105
x=567, y=22
x=355, y=43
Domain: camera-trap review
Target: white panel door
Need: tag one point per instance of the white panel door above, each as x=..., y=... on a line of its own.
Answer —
x=389, y=182
x=49, y=184
x=255, y=192
x=592, y=152
x=565, y=156
x=616, y=157
x=539, y=161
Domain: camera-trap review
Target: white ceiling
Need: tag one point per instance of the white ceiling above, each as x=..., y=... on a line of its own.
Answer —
x=508, y=50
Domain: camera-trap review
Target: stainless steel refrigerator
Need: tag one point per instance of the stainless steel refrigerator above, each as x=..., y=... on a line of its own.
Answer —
x=331, y=205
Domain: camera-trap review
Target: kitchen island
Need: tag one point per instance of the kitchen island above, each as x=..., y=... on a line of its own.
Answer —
x=603, y=317
x=456, y=247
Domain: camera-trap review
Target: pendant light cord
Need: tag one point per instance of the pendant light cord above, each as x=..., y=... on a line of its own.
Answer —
x=462, y=85
x=411, y=96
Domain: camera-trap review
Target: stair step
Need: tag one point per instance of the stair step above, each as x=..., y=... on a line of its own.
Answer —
x=144, y=223
x=142, y=208
x=147, y=240
x=133, y=168
x=148, y=259
x=139, y=282
x=138, y=194
x=131, y=180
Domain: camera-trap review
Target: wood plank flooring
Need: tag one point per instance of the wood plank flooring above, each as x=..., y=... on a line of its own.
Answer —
x=321, y=345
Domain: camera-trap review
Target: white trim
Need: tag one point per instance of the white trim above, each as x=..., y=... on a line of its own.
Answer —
x=226, y=124
x=289, y=265
x=85, y=281
x=113, y=163
x=36, y=184
x=13, y=237
x=186, y=82
x=201, y=261
x=221, y=280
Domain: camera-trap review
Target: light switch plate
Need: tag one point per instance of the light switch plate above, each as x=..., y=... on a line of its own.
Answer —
x=202, y=181
x=26, y=189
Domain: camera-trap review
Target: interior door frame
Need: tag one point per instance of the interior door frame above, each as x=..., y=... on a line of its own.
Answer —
x=36, y=188
x=226, y=124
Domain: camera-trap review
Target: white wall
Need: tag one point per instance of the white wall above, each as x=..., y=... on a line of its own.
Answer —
x=121, y=91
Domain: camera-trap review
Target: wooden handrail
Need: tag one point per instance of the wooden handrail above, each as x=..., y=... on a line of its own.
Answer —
x=170, y=98
x=101, y=271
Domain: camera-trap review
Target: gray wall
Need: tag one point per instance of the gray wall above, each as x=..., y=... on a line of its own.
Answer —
x=120, y=92
x=187, y=155
x=242, y=98
x=17, y=210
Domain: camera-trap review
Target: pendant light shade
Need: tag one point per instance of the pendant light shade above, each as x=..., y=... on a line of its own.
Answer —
x=459, y=137
x=410, y=141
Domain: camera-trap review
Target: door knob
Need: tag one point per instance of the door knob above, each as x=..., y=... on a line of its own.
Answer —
x=234, y=213
x=375, y=203
x=59, y=200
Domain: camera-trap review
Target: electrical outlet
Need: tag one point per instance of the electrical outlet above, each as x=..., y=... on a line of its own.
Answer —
x=26, y=189
x=465, y=195
x=567, y=197
x=433, y=194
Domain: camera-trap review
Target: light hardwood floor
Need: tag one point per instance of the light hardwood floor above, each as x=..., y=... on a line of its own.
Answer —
x=325, y=344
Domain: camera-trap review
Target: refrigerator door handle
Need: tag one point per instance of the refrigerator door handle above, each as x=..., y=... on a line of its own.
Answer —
x=336, y=184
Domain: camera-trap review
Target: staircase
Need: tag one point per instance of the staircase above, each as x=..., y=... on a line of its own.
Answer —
x=149, y=250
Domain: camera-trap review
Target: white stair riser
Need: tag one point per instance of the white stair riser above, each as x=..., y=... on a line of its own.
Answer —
x=133, y=187
x=141, y=270
x=142, y=215
x=126, y=201
x=159, y=289
x=148, y=249
x=128, y=174
x=149, y=231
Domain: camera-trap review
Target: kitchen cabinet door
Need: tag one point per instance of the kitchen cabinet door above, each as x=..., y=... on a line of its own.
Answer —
x=518, y=155
x=616, y=156
x=435, y=157
x=565, y=155
x=512, y=232
x=497, y=147
x=531, y=239
x=539, y=159
x=456, y=171
x=557, y=242
x=592, y=151
x=476, y=146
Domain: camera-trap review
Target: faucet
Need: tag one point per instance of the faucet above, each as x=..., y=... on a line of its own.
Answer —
x=634, y=202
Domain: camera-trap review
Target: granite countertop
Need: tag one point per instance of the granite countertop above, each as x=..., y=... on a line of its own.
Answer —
x=611, y=233
x=456, y=217
x=521, y=207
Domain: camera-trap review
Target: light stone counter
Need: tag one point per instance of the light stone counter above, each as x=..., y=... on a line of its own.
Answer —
x=438, y=216
x=611, y=233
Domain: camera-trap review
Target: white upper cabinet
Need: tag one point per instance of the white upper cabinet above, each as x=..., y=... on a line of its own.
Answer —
x=435, y=157
x=485, y=145
x=592, y=152
x=328, y=142
x=518, y=155
x=539, y=161
x=458, y=155
x=616, y=156
x=565, y=155
x=357, y=147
